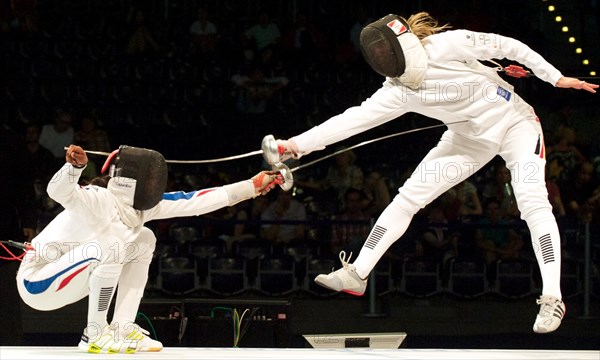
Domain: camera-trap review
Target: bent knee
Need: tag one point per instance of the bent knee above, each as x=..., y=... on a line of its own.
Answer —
x=406, y=204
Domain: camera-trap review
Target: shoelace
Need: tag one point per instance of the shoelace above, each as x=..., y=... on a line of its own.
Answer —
x=138, y=330
x=343, y=259
x=547, y=305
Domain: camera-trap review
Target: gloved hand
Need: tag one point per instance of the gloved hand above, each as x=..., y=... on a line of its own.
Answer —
x=287, y=149
x=265, y=181
x=76, y=156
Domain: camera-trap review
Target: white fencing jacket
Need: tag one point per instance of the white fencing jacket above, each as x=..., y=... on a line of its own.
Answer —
x=92, y=213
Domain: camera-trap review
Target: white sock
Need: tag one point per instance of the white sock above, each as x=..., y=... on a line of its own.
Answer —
x=545, y=238
x=103, y=281
x=390, y=226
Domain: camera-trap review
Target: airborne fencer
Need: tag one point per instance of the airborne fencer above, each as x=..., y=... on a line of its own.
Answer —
x=437, y=72
x=100, y=242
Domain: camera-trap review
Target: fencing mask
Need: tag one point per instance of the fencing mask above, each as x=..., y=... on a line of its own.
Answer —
x=392, y=50
x=139, y=173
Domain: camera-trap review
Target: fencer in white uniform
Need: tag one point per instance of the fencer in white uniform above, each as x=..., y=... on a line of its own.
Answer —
x=438, y=74
x=99, y=242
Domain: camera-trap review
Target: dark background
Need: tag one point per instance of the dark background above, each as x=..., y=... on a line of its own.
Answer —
x=71, y=55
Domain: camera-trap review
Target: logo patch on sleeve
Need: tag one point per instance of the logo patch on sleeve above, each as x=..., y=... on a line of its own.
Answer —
x=502, y=92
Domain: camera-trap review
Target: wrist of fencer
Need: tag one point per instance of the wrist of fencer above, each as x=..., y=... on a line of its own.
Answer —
x=293, y=148
x=240, y=191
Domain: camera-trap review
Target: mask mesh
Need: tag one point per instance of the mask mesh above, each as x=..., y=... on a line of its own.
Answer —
x=381, y=49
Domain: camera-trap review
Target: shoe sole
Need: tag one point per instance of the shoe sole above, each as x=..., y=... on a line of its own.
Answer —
x=355, y=293
x=92, y=349
x=151, y=350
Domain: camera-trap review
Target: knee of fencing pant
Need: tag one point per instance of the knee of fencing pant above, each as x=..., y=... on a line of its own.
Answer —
x=533, y=203
x=144, y=245
x=406, y=204
x=108, y=249
x=146, y=236
x=108, y=270
x=537, y=215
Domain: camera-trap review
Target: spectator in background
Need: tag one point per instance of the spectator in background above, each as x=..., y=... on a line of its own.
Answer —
x=230, y=224
x=376, y=193
x=261, y=35
x=344, y=174
x=204, y=34
x=564, y=156
x=257, y=207
x=578, y=192
x=461, y=200
x=91, y=138
x=26, y=19
x=593, y=215
x=351, y=225
x=500, y=188
x=439, y=242
x=255, y=90
x=554, y=195
x=58, y=135
x=494, y=238
x=39, y=160
x=302, y=42
x=141, y=41
x=284, y=208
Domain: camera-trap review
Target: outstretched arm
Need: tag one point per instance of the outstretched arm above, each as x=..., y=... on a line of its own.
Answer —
x=574, y=83
x=384, y=105
x=465, y=45
x=179, y=203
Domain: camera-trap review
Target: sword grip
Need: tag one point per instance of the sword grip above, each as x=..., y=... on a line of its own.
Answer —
x=286, y=173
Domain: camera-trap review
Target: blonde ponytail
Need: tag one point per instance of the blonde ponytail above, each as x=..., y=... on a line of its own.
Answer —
x=422, y=25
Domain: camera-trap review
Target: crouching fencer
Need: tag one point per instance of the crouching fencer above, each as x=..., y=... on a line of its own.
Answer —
x=99, y=242
x=437, y=73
